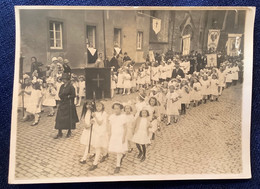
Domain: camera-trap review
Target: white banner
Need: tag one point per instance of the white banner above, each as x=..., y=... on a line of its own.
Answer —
x=233, y=44
x=156, y=25
x=117, y=49
x=211, y=60
x=213, y=38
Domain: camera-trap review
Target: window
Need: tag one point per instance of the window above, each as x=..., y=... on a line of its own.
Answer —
x=91, y=36
x=139, y=40
x=117, y=37
x=56, y=41
x=186, y=45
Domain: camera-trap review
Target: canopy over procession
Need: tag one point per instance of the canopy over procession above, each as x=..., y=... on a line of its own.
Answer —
x=167, y=64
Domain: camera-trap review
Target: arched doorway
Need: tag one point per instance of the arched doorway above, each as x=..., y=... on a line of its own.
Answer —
x=186, y=39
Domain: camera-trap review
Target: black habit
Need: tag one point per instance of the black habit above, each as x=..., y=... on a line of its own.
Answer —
x=114, y=62
x=177, y=72
x=66, y=115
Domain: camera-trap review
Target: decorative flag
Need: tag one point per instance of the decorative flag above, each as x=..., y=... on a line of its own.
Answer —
x=156, y=25
x=233, y=44
x=211, y=60
x=92, y=51
x=213, y=38
x=118, y=50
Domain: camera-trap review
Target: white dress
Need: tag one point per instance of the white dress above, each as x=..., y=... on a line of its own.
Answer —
x=214, y=87
x=118, y=124
x=27, y=98
x=235, y=70
x=229, y=75
x=141, y=135
x=129, y=124
x=84, y=138
x=197, y=91
x=163, y=72
x=113, y=82
x=49, y=95
x=148, y=76
x=127, y=81
x=205, y=87
x=221, y=79
x=185, y=98
x=155, y=74
x=134, y=78
x=99, y=132
x=34, y=99
x=142, y=78
x=120, y=80
x=58, y=85
x=172, y=107
x=81, y=88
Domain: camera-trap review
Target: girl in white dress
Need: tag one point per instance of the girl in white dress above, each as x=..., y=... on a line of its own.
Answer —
x=141, y=78
x=229, y=77
x=172, y=105
x=205, y=84
x=141, y=133
x=130, y=119
x=154, y=117
x=134, y=79
x=127, y=82
x=214, y=87
x=49, y=94
x=185, y=99
x=155, y=74
x=163, y=71
x=197, y=92
x=221, y=79
x=75, y=84
x=35, y=99
x=113, y=83
x=147, y=77
x=99, y=140
x=117, y=134
x=86, y=116
x=81, y=89
x=120, y=81
x=235, y=71
x=58, y=85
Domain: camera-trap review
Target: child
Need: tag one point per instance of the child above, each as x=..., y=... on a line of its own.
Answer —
x=141, y=133
x=221, y=79
x=117, y=134
x=161, y=97
x=58, y=85
x=50, y=93
x=35, y=99
x=74, y=82
x=133, y=74
x=172, y=106
x=26, y=90
x=139, y=104
x=86, y=116
x=113, y=83
x=185, y=100
x=147, y=76
x=81, y=89
x=120, y=80
x=205, y=84
x=154, y=115
x=141, y=77
x=155, y=74
x=127, y=82
x=214, y=87
x=197, y=91
x=99, y=139
x=130, y=119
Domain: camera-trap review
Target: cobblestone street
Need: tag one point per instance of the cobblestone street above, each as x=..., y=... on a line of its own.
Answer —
x=207, y=140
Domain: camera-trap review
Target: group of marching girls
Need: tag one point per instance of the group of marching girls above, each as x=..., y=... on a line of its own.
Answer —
x=136, y=122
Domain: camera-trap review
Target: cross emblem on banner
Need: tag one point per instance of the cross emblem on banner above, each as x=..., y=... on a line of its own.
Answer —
x=98, y=79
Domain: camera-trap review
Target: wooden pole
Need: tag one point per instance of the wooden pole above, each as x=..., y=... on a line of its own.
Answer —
x=104, y=36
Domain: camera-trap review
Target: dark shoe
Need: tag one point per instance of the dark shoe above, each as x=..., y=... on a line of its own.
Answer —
x=117, y=170
x=92, y=168
x=143, y=158
x=68, y=134
x=104, y=158
x=122, y=159
x=139, y=155
x=83, y=161
x=58, y=136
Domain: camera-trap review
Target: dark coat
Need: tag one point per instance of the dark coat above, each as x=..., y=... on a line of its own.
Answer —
x=179, y=72
x=66, y=115
x=67, y=69
x=114, y=62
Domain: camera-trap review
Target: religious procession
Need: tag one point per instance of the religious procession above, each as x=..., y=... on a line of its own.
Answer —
x=161, y=85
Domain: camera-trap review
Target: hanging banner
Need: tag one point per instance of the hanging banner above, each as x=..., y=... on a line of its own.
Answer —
x=117, y=50
x=156, y=25
x=233, y=44
x=211, y=60
x=92, y=51
x=213, y=38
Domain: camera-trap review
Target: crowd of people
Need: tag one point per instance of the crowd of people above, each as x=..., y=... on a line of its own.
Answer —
x=165, y=90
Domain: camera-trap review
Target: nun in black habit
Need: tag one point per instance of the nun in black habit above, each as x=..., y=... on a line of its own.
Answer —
x=67, y=117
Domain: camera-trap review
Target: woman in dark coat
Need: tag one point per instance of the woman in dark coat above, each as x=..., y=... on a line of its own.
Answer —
x=66, y=115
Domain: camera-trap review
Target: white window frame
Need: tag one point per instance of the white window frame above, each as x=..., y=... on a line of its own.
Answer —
x=93, y=34
x=54, y=35
x=139, y=43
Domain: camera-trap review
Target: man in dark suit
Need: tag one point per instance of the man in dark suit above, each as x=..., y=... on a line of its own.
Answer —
x=114, y=62
x=177, y=71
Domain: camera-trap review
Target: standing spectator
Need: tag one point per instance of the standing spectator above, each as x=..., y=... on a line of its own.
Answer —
x=36, y=66
x=66, y=115
x=126, y=57
x=99, y=62
x=66, y=67
x=177, y=71
x=114, y=62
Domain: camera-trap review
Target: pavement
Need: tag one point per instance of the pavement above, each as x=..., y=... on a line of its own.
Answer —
x=207, y=140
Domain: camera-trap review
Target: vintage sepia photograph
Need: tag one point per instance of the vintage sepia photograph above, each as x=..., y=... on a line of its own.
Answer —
x=131, y=93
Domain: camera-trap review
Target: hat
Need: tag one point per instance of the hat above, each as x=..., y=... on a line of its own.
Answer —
x=54, y=59
x=65, y=76
x=60, y=59
x=25, y=76
x=66, y=61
